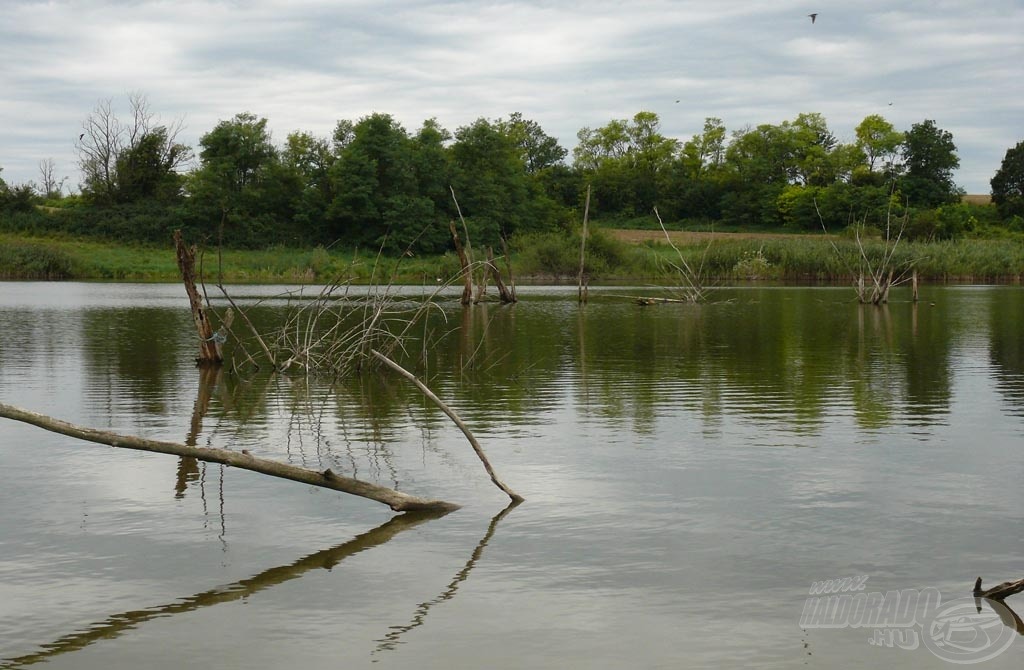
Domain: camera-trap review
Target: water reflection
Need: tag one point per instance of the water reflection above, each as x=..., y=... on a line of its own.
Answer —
x=394, y=637
x=1006, y=347
x=118, y=624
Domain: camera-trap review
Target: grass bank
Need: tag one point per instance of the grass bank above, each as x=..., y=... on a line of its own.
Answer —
x=613, y=256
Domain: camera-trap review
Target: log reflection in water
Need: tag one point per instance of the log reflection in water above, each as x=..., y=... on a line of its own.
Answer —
x=393, y=639
x=118, y=624
x=188, y=467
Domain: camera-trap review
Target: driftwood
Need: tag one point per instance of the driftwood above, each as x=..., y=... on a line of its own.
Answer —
x=1004, y=590
x=516, y=498
x=396, y=500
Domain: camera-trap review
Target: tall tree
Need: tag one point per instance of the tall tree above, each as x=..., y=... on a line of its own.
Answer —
x=49, y=185
x=111, y=149
x=930, y=158
x=1008, y=183
x=705, y=151
x=626, y=160
x=306, y=162
x=239, y=181
x=879, y=142
x=538, y=149
x=377, y=197
x=495, y=191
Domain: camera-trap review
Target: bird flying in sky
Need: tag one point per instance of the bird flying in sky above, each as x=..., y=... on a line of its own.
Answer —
x=813, y=17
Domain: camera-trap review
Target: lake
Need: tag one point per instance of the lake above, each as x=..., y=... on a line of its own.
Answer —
x=690, y=471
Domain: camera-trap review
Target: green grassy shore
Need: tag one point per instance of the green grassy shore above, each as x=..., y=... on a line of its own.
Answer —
x=613, y=256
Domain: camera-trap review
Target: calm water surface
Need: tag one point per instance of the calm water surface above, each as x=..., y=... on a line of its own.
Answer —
x=689, y=472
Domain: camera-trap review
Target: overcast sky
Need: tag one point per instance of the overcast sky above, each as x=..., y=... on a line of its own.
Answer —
x=305, y=64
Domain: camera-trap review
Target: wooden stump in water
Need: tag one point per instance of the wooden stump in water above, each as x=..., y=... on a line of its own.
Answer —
x=210, y=352
x=504, y=293
x=467, y=275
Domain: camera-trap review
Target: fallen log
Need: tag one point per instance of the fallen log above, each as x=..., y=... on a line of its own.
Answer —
x=396, y=500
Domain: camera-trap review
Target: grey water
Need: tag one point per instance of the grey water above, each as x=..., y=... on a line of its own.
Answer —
x=689, y=472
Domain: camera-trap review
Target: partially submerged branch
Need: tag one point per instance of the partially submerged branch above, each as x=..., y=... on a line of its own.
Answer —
x=873, y=279
x=1004, y=590
x=396, y=500
x=693, y=289
x=455, y=418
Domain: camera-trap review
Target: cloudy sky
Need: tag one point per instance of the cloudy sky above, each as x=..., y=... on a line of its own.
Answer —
x=305, y=64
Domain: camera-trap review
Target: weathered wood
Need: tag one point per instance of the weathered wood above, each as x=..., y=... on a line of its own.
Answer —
x=504, y=294
x=467, y=275
x=1004, y=590
x=209, y=343
x=455, y=418
x=396, y=500
x=582, y=288
x=508, y=268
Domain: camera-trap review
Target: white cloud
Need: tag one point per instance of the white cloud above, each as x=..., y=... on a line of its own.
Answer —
x=567, y=64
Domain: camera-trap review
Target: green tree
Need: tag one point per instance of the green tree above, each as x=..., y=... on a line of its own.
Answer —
x=127, y=161
x=147, y=170
x=16, y=198
x=705, y=152
x=377, y=192
x=1008, y=183
x=930, y=158
x=432, y=165
x=879, y=142
x=240, y=181
x=538, y=149
x=628, y=163
x=306, y=162
x=497, y=195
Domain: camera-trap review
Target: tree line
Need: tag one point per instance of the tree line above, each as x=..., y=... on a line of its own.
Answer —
x=373, y=182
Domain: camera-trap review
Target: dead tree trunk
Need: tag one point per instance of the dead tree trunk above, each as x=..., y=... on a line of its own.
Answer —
x=582, y=290
x=467, y=275
x=396, y=500
x=508, y=268
x=504, y=294
x=209, y=342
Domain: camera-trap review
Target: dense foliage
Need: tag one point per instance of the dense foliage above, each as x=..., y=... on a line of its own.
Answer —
x=375, y=184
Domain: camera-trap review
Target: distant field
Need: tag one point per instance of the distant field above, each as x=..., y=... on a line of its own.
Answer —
x=981, y=199
x=684, y=237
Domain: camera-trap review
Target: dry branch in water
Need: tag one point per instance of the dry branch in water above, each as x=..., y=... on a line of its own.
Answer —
x=396, y=500
x=1004, y=590
x=873, y=280
x=454, y=417
x=693, y=289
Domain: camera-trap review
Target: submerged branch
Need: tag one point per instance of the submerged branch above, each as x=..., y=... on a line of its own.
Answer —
x=455, y=418
x=396, y=500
